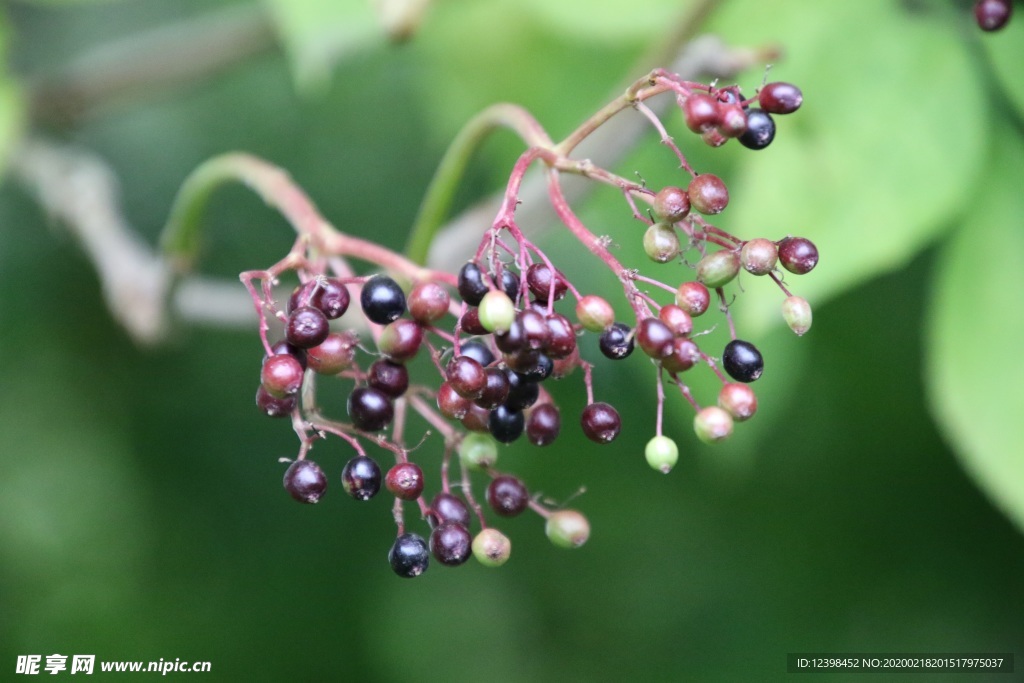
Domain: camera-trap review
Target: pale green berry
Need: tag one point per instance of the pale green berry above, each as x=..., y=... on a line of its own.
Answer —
x=797, y=314
x=594, y=313
x=717, y=269
x=567, y=528
x=496, y=311
x=661, y=243
x=712, y=424
x=662, y=453
x=478, y=451
x=491, y=548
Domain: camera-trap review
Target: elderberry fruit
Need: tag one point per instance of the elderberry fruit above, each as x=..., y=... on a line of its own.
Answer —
x=447, y=507
x=567, y=528
x=738, y=400
x=594, y=313
x=470, y=322
x=331, y=297
x=759, y=256
x=561, y=336
x=732, y=121
x=509, y=284
x=272, y=406
x=409, y=556
x=797, y=314
x=712, y=424
x=678, y=320
x=685, y=354
x=780, y=98
x=467, y=377
x=708, y=194
x=742, y=361
x=601, y=422
x=693, y=297
x=798, y=255
x=496, y=389
x=471, y=284
x=661, y=243
x=760, y=129
x=538, y=369
x=281, y=375
x=400, y=340
x=506, y=424
x=305, y=481
x=491, y=548
x=306, y=327
x=655, y=338
x=718, y=268
x=671, y=204
x=370, y=409
x=543, y=424
x=478, y=451
x=333, y=354
x=450, y=403
x=451, y=543
x=361, y=477
x=405, y=481
x=616, y=342
x=387, y=376
x=294, y=351
x=661, y=453
x=496, y=311
x=478, y=351
x=700, y=111
x=428, y=302
x=507, y=496
x=992, y=15
x=538, y=280
x=521, y=393
x=382, y=300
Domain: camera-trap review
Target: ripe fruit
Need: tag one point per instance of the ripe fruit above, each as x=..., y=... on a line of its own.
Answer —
x=616, y=342
x=450, y=403
x=471, y=284
x=759, y=256
x=992, y=15
x=491, y=548
x=742, y=361
x=601, y=422
x=760, y=129
x=450, y=543
x=447, y=507
x=662, y=453
x=507, y=496
x=655, y=338
x=387, y=376
x=382, y=300
x=405, y=480
x=798, y=255
x=466, y=376
x=306, y=327
x=331, y=297
x=305, y=481
x=538, y=279
x=567, y=528
x=361, y=477
x=400, y=339
x=409, y=556
x=496, y=389
x=712, y=424
x=700, y=112
x=272, y=406
x=543, y=424
x=718, y=268
x=671, y=204
x=281, y=375
x=506, y=424
x=708, y=194
x=561, y=336
x=780, y=98
x=685, y=354
x=333, y=354
x=370, y=409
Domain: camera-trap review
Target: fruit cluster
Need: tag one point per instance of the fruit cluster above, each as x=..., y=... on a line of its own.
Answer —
x=992, y=15
x=508, y=321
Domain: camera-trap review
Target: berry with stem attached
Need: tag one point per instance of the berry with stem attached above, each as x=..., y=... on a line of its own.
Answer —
x=507, y=496
x=361, y=477
x=450, y=543
x=370, y=409
x=662, y=453
x=616, y=342
x=742, y=361
x=491, y=548
x=409, y=556
x=307, y=327
x=780, y=98
x=281, y=375
x=718, y=268
x=405, y=480
x=305, y=481
x=567, y=528
x=478, y=451
x=797, y=314
x=601, y=422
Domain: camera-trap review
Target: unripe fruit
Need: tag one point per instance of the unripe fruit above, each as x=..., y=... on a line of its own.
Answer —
x=677, y=319
x=400, y=340
x=685, y=354
x=478, y=451
x=405, y=481
x=780, y=98
x=797, y=314
x=662, y=453
x=428, y=302
x=655, y=338
x=738, y=400
x=718, y=269
x=333, y=354
x=671, y=204
x=700, y=111
x=491, y=548
x=693, y=297
x=732, y=121
x=538, y=280
x=594, y=313
x=281, y=375
x=661, y=243
x=567, y=528
x=708, y=194
x=712, y=424
x=450, y=543
x=759, y=256
x=496, y=311
x=507, y=496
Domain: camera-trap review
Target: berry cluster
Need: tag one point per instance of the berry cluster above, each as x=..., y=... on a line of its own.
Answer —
x=992, y=15
x=507, y=322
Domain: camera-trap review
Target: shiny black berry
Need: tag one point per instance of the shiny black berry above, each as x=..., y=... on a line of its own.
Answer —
x=361, y=477
x=451, y=543
x=506, y=424
x=370, y=409
x=382, y=300
x=760, y=129
x=616, y=341
x=409, y=556
x=471, y=284
x=305, y=481
x=742, y=361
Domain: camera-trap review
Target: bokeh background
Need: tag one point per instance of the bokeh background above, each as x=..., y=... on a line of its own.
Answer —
x=874, y=504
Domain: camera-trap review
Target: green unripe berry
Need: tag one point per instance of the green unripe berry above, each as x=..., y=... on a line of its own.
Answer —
x=496, y=311
x=491, y=548
x=478, y=451
x=717, y=269
x=759, y=256
x=712, y=424
x=661, y=243
x=797, y=314
x=662, y=453
x=594, y=313
x=567, y=528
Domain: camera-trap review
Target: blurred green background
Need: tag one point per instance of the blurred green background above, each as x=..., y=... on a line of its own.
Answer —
x=874, y=505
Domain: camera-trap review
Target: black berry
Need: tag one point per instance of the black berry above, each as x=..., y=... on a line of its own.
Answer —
x=370, y=409
x=760, y=129
x=742, y=361
x=382, y=300
x=471, y=284
x=409, y=556
x=361, y=477
x=616, y=342
x=305, y=481
x=506, y=424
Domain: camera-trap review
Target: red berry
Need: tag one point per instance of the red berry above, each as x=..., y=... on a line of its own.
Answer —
x=708, y=194
x=281, y=375
x=405, y=481
x=798, y=255
x=601, y=422
x=700, y=112
x=780, y=98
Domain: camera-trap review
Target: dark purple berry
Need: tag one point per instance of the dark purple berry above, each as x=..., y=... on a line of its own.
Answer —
x=405, y=481
x=992, y=15
x=450, y=403
x=476, y=418
x=390, y=377
x=272, y=406
x=478, y=351
x=655, y=338
x=507, y=496
x=685, y=354
x=400, y=339
x=543, y=424
x=512, y=340
x=409, y=556
x=506, y=424
x=535, y=329
x=538, y=279
x=370, y=409
x=742, y=361
x=601, y=422
x=284, y=347
x=798, y=255
x=616, y=342
x=509, y=284
x=382, y=300
x=780, y=98
x=466, y=376
x=447, y=507
x=760, y=129
x=329, y=295
x=361, y=477
x=538, y=370
x=562, y=339
x=307, y=327
x=521, y=393
x=281, y=375
x=496, y=388
x=471, y=284
x=305, y=481
x=451, y=543
x=470, y=322
x=333, y=354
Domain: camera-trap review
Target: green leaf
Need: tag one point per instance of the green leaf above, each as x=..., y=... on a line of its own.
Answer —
x=881, y=156
x=319, y=33
x=1006, y=50
x=974, y=335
